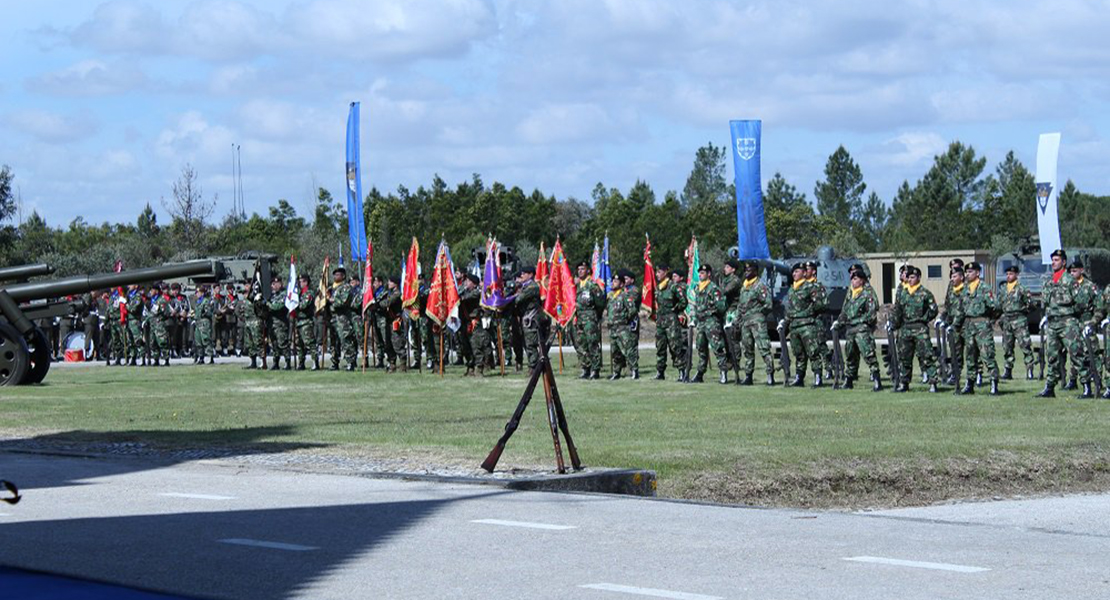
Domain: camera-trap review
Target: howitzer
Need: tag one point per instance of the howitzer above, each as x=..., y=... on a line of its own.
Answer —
x=784, y=353
x=892, y=354
x=24, y=349
x=838, y=358
x=22, y=273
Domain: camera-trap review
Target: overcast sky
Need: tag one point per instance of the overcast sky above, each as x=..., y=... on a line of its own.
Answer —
x=103, y=102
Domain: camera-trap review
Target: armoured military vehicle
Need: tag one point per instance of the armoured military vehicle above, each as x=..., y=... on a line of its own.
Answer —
x=832, y=272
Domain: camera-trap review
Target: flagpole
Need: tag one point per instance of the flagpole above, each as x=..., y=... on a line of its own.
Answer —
x=441, y=351
x=365, y=333
x=560, y=330
x=500, y=349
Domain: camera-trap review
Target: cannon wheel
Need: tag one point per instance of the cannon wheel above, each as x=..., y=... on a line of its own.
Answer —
x=14, y=356
x=39, y=348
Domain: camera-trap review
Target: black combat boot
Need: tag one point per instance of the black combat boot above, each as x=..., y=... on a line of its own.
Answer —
x=1049, y=391
x=724, y=377
x=1029, y=373
x=1087, y=392
x=979, y=379
x=901, y=387
x=817, y=380
x=798, y=381
x=315, y=364
x=933, y=388
x=615, y=376
x=877, y=385
x=585, y=374
x=958, y=391
x=849, y=384
x=1070, y=385
x=276, y=366
x=770, y=379
x=119, y=361
x=1008, y=373
x=300, y=364
x=699, y=377
x=747, y=380
x=969, y=388
x=635, y=374
x=1106, y=394
x=350, y=367
x=254, y=363
x=132, y=362
x=198, y=360
x=660, y=375
x=994, y=387
x=596, y=374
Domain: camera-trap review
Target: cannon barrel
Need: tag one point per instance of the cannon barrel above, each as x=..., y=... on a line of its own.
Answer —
x=23, y=272
x=777, y=265
x=40, y=290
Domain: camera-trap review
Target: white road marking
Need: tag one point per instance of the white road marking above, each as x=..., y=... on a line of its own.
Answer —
x=628, y=589
x=917, y=564
x=196, y=496
x=524, y=524
x=265, y=544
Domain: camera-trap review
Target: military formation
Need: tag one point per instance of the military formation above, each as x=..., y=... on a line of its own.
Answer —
x=723, y=317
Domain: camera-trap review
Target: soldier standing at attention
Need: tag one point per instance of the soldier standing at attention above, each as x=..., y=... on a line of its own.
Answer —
x=804, y=302
x=1103, y=315
x=1062, y=331
x=343, y=305
x=859, y=315
x=587, y=323
x=913, y=310
x=1015, y=301
x=204, y=311
x=135, y=307
x=822, y=304
x=979, y=309
x=526, y=302
x=470, y=298
x=730, y=289
x=709, y=306
x=1086, y=302
x=670, y=303
x=949, y=317
x=159, y=326
x=306, y=325
x=623, y=319
x=116, y=302
x=252, y=326
x=277, y=324
x=754, y=305
x=391, y=305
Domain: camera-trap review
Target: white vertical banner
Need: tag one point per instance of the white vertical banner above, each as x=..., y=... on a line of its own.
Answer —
x=1048, y=220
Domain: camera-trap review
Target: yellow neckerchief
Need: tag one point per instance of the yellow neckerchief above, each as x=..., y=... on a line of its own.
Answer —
x=663, y=284
x=584, y=281
x=750, y=282
x=704, y=284
x=974, y=285
x=798, y=284
x=912, y=289
x=812, y=280
x=956, y=289
x=1079, y=279
x=857, y=291
x=613, y=294
x=1010, y=286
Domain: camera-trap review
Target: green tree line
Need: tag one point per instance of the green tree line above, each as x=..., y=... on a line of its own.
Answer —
x=957, y=204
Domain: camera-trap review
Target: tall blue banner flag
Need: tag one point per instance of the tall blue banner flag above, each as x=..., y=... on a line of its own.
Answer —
x=751, y=230
x=604, y=271
x=356, y=229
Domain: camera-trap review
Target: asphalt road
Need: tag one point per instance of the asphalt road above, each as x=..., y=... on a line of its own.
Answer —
x=213, y=530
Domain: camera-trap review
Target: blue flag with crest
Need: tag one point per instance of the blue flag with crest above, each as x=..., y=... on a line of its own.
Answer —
x=356, y=229
x=751, y=230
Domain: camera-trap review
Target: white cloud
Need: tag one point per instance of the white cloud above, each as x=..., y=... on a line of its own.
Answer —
x=52, y=127
x=90, y=78
x=561, y=123
x=913, y=148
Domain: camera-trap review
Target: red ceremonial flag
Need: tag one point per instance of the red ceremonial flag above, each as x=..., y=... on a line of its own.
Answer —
x=410, y=285
x=647, y=292
x=541, y=273
x=443, y=296
x=561, y=295
x=368, y=276
x=118, y=268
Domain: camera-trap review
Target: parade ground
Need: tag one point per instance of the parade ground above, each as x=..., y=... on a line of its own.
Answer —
x=758, y=445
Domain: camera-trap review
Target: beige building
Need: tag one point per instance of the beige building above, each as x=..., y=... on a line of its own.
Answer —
x=933, y=264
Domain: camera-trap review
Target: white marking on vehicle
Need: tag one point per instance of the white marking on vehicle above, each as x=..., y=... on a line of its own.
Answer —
x=524, y=524
x=265, y=544
x=196, y=496
x=640, y=591
x=917, y=564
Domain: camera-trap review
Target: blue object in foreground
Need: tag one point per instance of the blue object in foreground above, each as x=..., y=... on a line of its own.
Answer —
x=32, y=585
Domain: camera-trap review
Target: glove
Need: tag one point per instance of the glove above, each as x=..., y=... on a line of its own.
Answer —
x=1044, y=321
x=939, y=323
x=782, y=324
x=258, y=297
x=948, y=329
x=836, y=324
x=1104, y=323
x=1088, y=331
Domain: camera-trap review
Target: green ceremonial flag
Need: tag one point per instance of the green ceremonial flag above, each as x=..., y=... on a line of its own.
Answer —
x=694, y=262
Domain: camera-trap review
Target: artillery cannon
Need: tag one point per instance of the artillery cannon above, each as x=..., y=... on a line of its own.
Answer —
x=24, y=350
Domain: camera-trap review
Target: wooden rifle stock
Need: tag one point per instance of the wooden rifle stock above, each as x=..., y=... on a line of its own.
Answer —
x=495, y=455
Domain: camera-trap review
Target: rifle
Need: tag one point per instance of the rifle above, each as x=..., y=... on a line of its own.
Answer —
x=942, y=341
x=838, y=358
x=892, y=354
x=1092, y=362
x=1044, y=321
x=730, y=345
x=784, y=353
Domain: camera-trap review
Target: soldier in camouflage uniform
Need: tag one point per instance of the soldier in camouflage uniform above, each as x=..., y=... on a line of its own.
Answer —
x=1015, y=302
x=159, y=325
x=136, y=304
x=858, y=315
x=709, y=307
x=823, y=348
x=804, y=303
x=948, y=318
x=343, y=305
x=623, y=318
x=587, y=323
x=754, y=304
x=526, y=301
x=979, y=309
x=277, y=325
x=1086, y=302
x=393, y=310
x=116, y=302
x=1062, y=331
x=470, y=299
x=1103, y=315
x=306, y=325
x=204, y=310
x=913, y=309
x=670, y=316
x=730, y=285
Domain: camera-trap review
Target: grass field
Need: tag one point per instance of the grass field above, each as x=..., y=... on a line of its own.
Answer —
x=771, y=446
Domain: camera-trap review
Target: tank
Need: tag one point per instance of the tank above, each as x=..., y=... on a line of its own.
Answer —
x=24, y=355
x=832, y=272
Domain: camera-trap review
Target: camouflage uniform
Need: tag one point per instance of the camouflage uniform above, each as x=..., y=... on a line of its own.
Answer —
x=587, y=324
x=1062, y=330
x=1015, y=303
x=805, y=302
x=135, y=309
x=204, y=311
x=277, y=326
x=952, y=310
x=709, y=305
x=1102, y=312
x=470, y=315
x=305, y=342
x=623, y=321
x=754, y=304
x=159, y=327
x=118, y=329
x=859, y=315
x=252, y=328
x=1086, y=302
x=979, y=308
x=670, y=302
x=912, y=313
x=344, y=305
x=527, y=303
x=730, y=289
